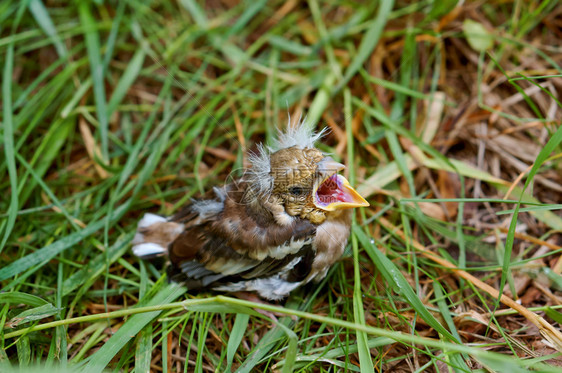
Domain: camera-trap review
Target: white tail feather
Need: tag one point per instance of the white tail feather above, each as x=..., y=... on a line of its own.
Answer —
x=149, y=219
x=148, y=249
x=154, y=234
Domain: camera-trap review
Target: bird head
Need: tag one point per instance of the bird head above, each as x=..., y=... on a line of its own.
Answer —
x=295, y=179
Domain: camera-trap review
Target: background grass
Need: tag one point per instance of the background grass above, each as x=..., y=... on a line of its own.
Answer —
x=447, y=115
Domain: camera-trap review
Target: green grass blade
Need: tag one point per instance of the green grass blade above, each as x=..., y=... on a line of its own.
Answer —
x=46, y=154
x=544, y=154
x=127, y=79
x=50, y=251
x=291, y=353
x=8, y=129
x=249, y=13
x=448, y=317
x=202, y=331
x=196, y=12
x=395, y=277
x=143, y=353
x=94, y=268
x=92, y=340
x=42, y=17
x=321, y=100
x=266, y=343
x=37, y=313
x=112, y=39
x=289, y=46
x=236, y=335
x=24, y=352
x=400, y=159
x=97, y=71
x=84, y=87
x=365, y=360
x=48, y=191
x=16, y=297
x=28, y=93
x=369, y=41
x=60, y=342
x=98, y=361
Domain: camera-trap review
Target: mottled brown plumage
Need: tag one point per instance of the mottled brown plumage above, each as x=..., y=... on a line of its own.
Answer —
x=282, y=224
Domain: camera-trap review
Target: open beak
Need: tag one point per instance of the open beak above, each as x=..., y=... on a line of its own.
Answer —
x=332, y=191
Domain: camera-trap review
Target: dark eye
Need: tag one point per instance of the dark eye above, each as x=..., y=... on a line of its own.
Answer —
x=296, y=190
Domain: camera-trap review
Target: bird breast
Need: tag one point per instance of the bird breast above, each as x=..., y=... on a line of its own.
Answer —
x=331, y=239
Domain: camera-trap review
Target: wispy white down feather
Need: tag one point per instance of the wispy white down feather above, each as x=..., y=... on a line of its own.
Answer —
x=259, y=174
x=207, y=208
x=272, y=288
x=301, y=135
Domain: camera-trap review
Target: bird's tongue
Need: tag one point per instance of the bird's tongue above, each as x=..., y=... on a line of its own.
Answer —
x=336, y=193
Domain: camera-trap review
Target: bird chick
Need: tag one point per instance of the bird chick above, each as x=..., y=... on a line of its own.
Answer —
x=284, y=223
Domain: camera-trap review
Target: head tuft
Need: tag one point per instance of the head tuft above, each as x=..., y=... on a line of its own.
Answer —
x=302, y=135
x=259, y=175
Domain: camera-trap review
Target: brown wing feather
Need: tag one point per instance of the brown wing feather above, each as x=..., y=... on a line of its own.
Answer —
x=235, y=244
x=255, y=234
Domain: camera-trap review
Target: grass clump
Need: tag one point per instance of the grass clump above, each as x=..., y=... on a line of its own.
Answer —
x=447, y=115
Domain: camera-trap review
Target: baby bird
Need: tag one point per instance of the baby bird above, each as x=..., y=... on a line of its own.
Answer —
x=281, y=225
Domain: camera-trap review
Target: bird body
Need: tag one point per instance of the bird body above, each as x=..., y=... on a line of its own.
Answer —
x=284, y=223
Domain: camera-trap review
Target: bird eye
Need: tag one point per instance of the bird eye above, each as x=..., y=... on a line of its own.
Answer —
x=296, y=190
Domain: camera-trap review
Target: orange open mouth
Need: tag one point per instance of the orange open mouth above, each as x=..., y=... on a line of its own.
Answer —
x=335, y=193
